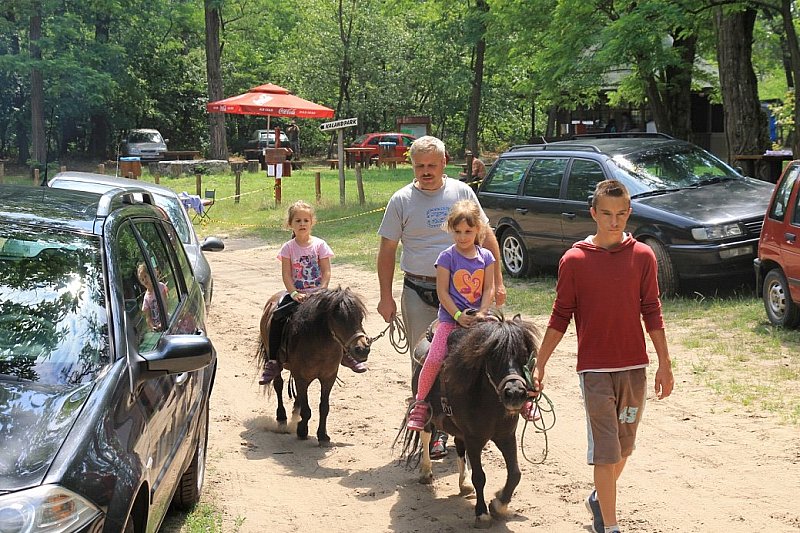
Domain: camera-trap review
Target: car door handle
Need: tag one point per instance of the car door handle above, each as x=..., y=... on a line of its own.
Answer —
x=569, y=215
x=181, y=378
x=521, y=210
x=790, y=237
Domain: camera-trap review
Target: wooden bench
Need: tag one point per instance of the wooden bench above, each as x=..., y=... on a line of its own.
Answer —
x=180, y=155
x=334, y=163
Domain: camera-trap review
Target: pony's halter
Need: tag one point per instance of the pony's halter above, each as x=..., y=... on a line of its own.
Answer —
x=513, y=376
x=346, y=346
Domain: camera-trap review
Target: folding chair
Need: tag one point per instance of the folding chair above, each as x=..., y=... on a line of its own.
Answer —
x=209, y=199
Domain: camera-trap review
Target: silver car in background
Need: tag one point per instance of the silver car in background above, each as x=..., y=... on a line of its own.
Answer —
x=167, y=200
x=146, y=144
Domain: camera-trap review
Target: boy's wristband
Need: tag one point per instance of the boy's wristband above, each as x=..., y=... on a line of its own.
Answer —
x=457, y=316
x=293, y=294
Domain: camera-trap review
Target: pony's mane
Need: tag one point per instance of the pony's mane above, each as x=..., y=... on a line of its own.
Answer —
x=498, y=341
x=313, y=315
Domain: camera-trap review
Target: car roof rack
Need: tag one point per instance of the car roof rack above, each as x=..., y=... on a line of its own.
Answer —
x=126, y=195
x=624, y=135
x=555, y=146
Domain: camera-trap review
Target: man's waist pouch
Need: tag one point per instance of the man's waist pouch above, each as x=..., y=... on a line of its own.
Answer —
x=426, y=294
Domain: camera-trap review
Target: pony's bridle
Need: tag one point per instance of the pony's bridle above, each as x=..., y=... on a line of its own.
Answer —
x=346, y=346
x=513, y=376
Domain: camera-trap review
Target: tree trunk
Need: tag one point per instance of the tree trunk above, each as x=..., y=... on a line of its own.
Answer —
x=678, y=91
x=345, y=67
x=19, y=126
x=98, y=140
x=38, y=141
x=473, y=115
x=794, y=59
x=745, y=123
x=216, y=121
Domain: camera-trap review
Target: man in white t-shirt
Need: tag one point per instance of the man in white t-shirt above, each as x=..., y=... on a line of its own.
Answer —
x=414, y=218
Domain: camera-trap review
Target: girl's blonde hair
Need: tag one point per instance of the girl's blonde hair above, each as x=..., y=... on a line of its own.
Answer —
x=299, y=205
x=469, y=212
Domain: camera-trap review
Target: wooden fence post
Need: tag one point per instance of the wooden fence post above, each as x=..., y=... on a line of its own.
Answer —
x=198, y=181
x=238, y=186
x=36, y=176
x=360, y=184
x=101, y=168
x=317, y=186
x=63, y=168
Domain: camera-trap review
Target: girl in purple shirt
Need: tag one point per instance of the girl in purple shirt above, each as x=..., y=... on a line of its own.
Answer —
x=464, y=282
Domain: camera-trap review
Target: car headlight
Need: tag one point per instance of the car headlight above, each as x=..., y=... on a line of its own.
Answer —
x=722, y=231
x=45, y=509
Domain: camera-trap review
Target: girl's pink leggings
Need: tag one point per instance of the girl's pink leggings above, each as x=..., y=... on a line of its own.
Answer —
x=433, y=362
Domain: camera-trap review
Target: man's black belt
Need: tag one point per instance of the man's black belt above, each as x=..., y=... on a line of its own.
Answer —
x=426, y=279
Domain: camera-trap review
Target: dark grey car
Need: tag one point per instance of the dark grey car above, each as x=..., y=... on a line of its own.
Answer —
x=104, y=379
x=700, y=216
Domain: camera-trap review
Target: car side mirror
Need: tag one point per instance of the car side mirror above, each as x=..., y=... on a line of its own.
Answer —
x=175, y=354
x=212, y=244
x=589, y=199
x=166, y=141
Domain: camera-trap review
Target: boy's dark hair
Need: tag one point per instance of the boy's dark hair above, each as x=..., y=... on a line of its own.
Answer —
x=611, y=188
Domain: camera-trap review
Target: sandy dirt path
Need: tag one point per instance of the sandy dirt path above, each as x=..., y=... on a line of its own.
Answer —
x=701, y=466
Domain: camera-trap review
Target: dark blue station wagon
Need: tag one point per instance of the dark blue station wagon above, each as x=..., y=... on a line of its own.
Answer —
x=700, y=216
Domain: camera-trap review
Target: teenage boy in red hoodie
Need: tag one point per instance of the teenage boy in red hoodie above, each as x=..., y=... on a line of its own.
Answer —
x=608, y=282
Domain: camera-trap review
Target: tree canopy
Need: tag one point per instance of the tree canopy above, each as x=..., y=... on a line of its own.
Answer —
x=105, y=66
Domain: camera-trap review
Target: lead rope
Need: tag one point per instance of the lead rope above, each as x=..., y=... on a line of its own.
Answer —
x=397, y=335
x=547, y=415
x=546, y=421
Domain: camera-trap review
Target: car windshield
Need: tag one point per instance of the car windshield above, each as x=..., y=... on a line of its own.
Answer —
x=53, y=323
x=144, y=137
x=673, y=169
x=174, y=209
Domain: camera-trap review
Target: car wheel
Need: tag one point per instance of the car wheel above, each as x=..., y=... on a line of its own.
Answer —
x=781, y=310
x=130, y=526
x=514, y=254
x=190, y=485
x=668, y=282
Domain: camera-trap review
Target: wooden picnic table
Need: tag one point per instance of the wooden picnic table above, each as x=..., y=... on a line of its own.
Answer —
x=180, y=155
x=352, y=154
x=767, y=166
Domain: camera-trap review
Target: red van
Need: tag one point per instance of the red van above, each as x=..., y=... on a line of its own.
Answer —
x=778, y=263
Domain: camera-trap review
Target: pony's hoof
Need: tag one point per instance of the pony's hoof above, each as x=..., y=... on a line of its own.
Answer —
x=466, y=489
x=483, y=521
x=426, y=479
x=498, y=508
x=324, y=442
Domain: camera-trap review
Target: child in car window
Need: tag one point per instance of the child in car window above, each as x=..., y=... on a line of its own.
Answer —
x=150, y=302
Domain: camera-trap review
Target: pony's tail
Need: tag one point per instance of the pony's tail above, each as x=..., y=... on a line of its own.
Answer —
x=411, y=451
x=261, y=354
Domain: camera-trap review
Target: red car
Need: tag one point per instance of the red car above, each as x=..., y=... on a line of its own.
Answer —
x=778, y=263
x=401, y=141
